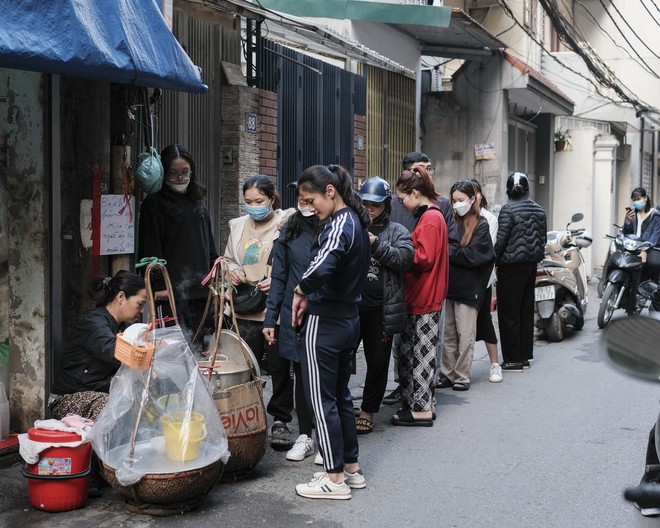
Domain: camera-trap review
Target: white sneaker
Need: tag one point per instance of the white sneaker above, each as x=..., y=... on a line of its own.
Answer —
x=495, y=373
x=303, y=447
x=321, y=487
x=319, y=459
x=355, y=480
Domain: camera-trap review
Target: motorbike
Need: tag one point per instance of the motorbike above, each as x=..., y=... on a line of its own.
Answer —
x=650, y=290
x=624, y=269
x=560, y=291
x=640, y=357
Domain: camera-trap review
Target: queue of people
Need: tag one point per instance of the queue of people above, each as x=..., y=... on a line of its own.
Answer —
x=404, y=271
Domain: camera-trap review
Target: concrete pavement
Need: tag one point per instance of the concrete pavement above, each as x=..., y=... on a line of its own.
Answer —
x=553, y=446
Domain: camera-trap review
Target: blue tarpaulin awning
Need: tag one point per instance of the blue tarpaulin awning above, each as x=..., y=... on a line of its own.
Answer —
x=121, y=41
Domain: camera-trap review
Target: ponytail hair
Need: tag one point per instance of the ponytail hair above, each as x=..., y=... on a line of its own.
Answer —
x=105, y=289
x=316, y=178
x=417, y=179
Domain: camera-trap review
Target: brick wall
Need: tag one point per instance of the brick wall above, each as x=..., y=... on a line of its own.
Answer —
x=360, y=149
x=240, y=151
x=268, y=133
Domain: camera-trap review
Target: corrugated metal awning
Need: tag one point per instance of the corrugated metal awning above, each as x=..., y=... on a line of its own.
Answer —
x=464, y=38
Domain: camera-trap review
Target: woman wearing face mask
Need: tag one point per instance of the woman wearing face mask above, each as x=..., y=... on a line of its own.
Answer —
x=175, y=226
x=469, y=270
x=292, y=255
x=643, y=220
x=250, y=243
x=383, y=309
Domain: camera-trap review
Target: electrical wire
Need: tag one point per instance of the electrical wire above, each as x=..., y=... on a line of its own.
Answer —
x=586, y=11
x=649, y=12
x=594, y=63
x=629, y=27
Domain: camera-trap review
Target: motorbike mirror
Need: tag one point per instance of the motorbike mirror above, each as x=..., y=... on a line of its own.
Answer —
x=631, y=345
x=576, y=217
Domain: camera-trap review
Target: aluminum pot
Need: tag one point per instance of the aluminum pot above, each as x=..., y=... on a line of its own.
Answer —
x=224, y=373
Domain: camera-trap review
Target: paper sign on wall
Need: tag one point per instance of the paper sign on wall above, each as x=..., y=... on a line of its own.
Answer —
x=484, y=151
x=117, y=234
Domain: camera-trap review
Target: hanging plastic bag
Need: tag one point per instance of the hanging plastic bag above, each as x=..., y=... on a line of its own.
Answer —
x=149, y=174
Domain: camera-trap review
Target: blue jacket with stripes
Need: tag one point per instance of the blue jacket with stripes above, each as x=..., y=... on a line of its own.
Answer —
x=337, y=274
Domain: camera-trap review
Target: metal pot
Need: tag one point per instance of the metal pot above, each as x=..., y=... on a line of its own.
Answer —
x=224, y=373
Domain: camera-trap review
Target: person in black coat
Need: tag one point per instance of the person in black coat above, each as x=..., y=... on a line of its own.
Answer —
x=521, y=237
x=175, y=226
x=383, y=309
x=291, y=258
x=469, y=269
x=88, y=361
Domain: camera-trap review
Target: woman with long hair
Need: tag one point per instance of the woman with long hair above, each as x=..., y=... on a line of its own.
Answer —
x=469, y=270
x=291, y=259
x=325, y=314
x=426, y=288
x=249, y=246
x=175, y=226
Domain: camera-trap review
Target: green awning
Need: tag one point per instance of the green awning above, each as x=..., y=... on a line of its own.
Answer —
x=422, y=15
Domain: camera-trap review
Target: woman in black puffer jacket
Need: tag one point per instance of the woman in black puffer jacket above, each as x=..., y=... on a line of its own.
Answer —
x=521, y=238
x=383, y=309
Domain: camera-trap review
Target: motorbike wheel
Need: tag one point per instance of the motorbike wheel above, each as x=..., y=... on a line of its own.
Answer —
x=607, y=304
x=553, y=329
x=579, y=323
x=602, y=283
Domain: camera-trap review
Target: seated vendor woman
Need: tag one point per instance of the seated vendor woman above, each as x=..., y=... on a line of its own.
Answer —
x=88, y=364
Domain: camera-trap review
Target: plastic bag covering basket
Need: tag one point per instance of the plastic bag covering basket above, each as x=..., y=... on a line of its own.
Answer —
x=133, y=356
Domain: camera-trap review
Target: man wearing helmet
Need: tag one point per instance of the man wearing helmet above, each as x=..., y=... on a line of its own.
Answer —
x=521, y=238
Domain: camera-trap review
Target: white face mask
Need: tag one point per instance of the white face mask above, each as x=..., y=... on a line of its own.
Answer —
x=177, y=187
x=305, y=211
x=462, y=208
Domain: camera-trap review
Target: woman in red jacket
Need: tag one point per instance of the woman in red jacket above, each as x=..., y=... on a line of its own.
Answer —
x=426, y=288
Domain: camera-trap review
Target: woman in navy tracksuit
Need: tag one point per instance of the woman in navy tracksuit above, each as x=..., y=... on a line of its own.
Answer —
x=325, y=308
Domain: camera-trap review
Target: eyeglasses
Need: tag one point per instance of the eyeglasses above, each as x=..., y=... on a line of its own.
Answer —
x=401, y=200
x=176, y=175
x=430, y=169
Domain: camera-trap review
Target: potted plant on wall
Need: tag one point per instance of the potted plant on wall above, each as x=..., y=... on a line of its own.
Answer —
x=562, y=140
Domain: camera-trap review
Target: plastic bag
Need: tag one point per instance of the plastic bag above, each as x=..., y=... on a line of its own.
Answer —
x=178, y=425
x=149, y=174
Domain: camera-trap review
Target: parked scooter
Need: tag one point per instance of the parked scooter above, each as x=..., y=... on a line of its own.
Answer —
x=561, y=281
x=631, y=345
x=624, y=269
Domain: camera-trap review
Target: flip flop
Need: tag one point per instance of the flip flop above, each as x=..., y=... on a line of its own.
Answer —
x=366, y=424
x=444, y=383
x=461, y=386
x=406, y=419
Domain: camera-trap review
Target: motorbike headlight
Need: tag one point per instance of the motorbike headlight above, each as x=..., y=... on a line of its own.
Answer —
x=629, y=245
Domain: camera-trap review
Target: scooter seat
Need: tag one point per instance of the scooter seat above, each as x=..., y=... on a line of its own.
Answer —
x=550, y=264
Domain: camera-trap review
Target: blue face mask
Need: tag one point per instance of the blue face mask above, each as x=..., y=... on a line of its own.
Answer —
x=258, y=212
x=639, y=204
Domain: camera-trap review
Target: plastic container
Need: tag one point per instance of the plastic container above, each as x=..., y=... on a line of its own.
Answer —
x=4, y=414
x=59, y=481
x=183, y=435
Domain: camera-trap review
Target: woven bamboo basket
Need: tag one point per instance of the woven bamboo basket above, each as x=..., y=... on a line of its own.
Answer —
x=166, y=488
x=246, y=449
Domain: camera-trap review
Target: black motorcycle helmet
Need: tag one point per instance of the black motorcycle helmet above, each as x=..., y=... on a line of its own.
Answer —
x=517, y=186
x=375, y=190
